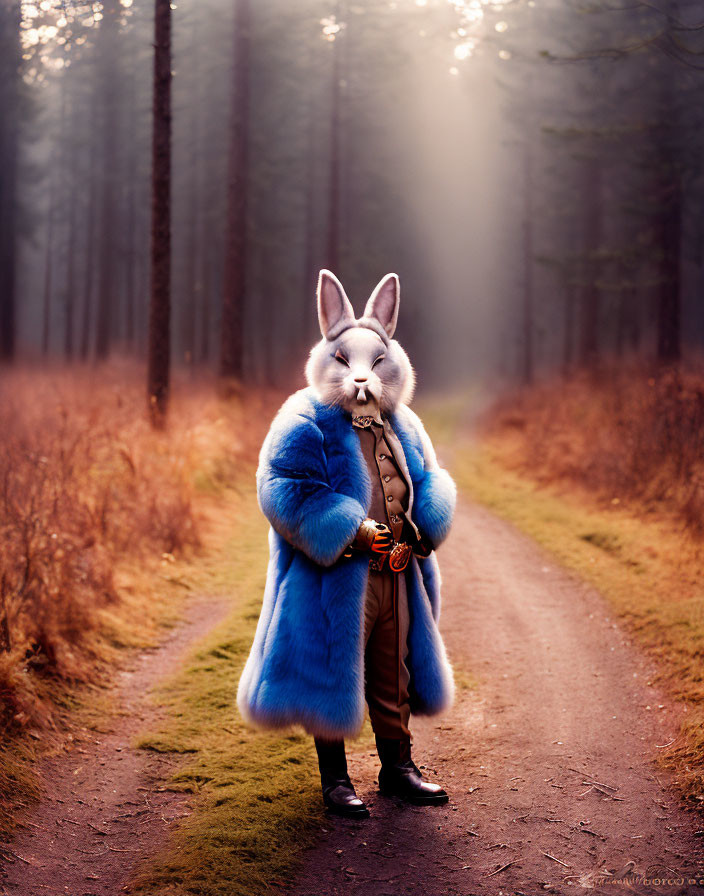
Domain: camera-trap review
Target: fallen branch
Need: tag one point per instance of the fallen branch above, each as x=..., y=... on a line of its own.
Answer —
x=559, y=861
x=9, y=852
x=599, y=784
x=502, y=868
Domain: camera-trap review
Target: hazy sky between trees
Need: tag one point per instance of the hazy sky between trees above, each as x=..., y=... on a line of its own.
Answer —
x=532, y=170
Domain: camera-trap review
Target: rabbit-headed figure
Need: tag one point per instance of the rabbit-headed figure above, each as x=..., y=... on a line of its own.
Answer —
x=357, y=502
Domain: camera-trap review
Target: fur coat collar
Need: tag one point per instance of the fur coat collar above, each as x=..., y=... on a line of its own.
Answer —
x=306, y=664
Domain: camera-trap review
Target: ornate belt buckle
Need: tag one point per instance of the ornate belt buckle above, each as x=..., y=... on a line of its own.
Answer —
x=399, y=556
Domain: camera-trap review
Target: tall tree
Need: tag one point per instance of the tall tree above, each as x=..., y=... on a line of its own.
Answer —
x=528, y=298
x=10, y=102
x=160, y=308
x=669, y=202
x=235, y=274
x=108, y=38
x=332, y=249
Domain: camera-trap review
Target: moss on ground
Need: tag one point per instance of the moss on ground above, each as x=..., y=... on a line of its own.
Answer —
x=257, y=794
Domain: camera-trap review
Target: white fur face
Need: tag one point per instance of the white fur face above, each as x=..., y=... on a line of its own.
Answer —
x=357, y=365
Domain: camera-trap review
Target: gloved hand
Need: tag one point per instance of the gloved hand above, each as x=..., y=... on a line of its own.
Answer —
x=373, y=536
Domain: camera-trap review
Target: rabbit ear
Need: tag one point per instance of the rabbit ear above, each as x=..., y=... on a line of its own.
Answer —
x=335, y=312
x=383, y=304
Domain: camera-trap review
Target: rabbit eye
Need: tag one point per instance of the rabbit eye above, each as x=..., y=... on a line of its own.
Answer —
x=341, y=358
x=380, y=358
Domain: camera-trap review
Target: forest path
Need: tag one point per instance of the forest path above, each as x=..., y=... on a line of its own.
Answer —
x=563, y=701
x=103, y=811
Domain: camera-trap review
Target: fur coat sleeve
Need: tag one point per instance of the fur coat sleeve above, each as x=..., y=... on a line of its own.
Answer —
x=295, y=496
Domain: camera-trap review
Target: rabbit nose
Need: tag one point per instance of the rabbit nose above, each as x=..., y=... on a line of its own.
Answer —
x=360, y=379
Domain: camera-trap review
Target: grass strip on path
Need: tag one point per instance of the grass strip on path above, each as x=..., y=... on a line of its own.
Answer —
x=258, y=794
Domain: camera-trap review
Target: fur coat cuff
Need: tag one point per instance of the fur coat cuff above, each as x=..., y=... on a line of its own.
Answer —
x=434, y=505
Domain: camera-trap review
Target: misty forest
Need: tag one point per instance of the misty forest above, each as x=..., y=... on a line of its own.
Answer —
x=173, y=177
x=531, y=170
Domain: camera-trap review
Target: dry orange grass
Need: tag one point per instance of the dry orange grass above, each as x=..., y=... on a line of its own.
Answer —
x=626, y=434
x=85, y=486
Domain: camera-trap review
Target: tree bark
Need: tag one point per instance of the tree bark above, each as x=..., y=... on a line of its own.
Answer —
x=205, y=279
x=309, y=272
x=193, y=295
x=107, y=279
x=332, y=248
x=569, y=327
x=590, y=297
x=10, y=79
x=670, y=237
x=70, y=300
x=134, y=242
x=48, y=257
x=527, y=372
x=669, y=202
x=160, y=307
x=235, y=274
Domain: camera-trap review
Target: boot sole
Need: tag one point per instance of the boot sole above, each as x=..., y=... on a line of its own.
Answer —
x=342, y=813
x=417, y=800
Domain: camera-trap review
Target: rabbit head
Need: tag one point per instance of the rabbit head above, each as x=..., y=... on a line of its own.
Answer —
x=358, y=364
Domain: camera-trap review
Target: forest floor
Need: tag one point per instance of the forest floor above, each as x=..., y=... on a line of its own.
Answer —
x=548, y=761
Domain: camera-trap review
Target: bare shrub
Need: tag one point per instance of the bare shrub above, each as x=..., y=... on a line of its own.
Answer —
x=85, y=482
x=625, y=433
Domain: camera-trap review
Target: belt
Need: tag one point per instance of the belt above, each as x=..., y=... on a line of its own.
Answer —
x=398, y=556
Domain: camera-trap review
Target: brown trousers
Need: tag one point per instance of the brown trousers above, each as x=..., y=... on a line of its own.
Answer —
x=386, y=623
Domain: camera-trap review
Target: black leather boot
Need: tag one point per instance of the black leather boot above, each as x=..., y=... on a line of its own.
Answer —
x=338, y=793
x=401, y=777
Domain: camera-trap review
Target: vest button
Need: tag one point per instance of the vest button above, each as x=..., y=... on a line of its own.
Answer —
x=382, y=457
x=390, y=498
x=387, y=479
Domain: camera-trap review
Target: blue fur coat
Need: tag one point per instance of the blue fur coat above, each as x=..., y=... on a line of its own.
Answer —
x=306, y=664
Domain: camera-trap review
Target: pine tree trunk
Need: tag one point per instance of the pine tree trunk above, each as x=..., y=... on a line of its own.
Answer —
x=69, y=304
x=668, y=308
x=189, y=321
x=332, y=248
x=160, y=306
x=133, y=248
x=9, y=115
x=527, y=372
x=309, y=272
x=89, y=254
x=235, y=274
x=48, y=259
x=205, y=280
x=590, y=296
x=569, y=327
x=108, y=39
x=669, y=199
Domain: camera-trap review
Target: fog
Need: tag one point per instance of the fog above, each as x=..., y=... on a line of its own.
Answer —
x=531, y=170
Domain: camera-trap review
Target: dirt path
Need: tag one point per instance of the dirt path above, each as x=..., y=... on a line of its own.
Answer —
x=564, y=701
x=103, y=811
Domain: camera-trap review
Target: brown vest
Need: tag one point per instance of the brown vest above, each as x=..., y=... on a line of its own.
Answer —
x=389, y=486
